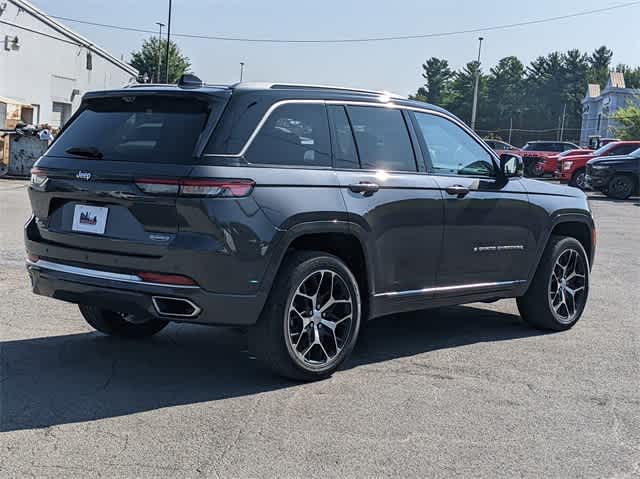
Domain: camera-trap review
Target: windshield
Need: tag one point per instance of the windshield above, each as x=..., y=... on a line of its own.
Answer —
x=603, y=150
x=535, y=146
x=573, y=152
x=143, y=128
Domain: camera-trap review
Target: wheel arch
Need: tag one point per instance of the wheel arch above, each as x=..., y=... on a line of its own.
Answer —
x=339, y=238
x=576, y=225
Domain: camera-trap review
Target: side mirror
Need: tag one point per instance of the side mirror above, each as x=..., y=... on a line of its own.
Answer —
x=511, y=165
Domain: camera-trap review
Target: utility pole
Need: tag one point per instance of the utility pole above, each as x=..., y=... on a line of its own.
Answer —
x=564, y=113
x=510, y=129
x=474, y=110
x=166, y=56
x=158, y=74
x=241, y=70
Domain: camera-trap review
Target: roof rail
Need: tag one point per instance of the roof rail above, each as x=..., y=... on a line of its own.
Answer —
x=331, y=87
x=142, y=85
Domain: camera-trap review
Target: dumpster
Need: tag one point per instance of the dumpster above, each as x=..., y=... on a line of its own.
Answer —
x=20, y=143
x=20, y=152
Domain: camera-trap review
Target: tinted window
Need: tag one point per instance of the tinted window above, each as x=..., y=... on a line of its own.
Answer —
x=624, y=149
x=344, y=147
x=143, y=128
x=382, y=138
x=452, y=150
x=294, y=134
x=544, y=147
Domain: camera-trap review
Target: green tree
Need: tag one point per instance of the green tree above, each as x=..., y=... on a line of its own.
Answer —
x=545, y=91
x=505, y=90
x=437, y=74
x=600, y=63
x=459, y=98
x=146, y=61
x=576, y=70
x=631, y=75
x=629, y=120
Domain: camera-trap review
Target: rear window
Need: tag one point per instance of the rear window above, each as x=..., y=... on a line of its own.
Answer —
x=293, y=135
x=137, y=128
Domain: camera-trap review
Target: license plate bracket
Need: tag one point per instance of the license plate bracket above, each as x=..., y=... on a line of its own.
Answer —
x=90, y=219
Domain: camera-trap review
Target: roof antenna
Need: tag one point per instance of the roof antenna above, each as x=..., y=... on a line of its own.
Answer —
x=189, y=81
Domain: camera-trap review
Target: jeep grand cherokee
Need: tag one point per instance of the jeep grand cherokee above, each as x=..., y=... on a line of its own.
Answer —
x=300, y=211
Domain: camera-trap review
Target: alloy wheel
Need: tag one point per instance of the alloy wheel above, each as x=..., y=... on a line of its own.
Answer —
x=620, y=187
x=320, y=319
x=568, y=286
x=580, y=180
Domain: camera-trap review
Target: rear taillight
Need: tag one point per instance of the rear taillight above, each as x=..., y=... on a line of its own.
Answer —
x=160, y=278
x=38, y=177
x=212, y=188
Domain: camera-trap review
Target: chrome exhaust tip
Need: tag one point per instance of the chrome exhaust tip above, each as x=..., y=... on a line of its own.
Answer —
x=175, y=307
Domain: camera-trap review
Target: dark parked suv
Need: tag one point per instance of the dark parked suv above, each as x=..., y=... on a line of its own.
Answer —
x=301, y=211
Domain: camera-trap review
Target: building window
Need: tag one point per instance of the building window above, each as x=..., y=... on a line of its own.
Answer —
x=60, y=114
x=89, y=62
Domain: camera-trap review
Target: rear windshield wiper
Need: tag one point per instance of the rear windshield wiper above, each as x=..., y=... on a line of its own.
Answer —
x=89, y=151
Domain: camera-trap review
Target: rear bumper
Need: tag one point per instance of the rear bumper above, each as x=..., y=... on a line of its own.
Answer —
x=123, y=293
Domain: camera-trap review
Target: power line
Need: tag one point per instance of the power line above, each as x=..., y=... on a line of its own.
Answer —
x=366, y=39
x=40, y=33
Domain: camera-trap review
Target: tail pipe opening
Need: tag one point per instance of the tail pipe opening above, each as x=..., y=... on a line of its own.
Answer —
x=175, y=307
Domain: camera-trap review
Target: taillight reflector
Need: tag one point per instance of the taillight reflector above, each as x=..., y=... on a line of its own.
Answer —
x=167, y=279
x=197, y=187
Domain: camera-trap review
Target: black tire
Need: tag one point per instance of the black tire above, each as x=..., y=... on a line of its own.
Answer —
x=620, y=187
x=114, y=324
x=536, y=306
x=271, y=340
x=577, y=179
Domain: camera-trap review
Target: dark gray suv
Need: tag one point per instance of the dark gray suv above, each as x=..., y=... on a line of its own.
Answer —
x=300, y=211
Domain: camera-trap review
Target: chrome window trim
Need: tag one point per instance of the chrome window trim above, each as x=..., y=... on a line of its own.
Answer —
x=381, y=104
x=95, y=273
x=444, y=289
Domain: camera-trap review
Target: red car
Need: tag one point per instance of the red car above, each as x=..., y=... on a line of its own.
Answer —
x=501, y=147
x=541, y=157
x=572, y=169
x=549, y=165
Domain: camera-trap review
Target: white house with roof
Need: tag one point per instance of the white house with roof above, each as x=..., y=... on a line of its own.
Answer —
x=48, y=66
x=598, y=107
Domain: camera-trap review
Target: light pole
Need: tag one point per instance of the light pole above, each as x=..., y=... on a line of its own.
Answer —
x=158, y=74
x=241, y=70
x=166, y=56
x=474, y=110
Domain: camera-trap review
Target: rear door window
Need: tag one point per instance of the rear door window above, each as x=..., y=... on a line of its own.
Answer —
x=295, y=135
x=382, y=138
x=137, y=128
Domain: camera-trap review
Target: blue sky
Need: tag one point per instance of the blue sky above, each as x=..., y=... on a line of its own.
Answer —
x=393, y=66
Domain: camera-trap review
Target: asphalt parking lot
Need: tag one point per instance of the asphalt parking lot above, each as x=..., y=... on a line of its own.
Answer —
x=468, y=391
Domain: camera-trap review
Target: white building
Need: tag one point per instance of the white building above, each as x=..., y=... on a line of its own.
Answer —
x=598, y=107
x=44, y=64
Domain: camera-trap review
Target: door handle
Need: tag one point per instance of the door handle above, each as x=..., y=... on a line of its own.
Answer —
x=457, y=190
x=368, y=188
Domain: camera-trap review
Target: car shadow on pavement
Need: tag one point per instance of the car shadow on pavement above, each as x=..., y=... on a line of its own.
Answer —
x=82, y=377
